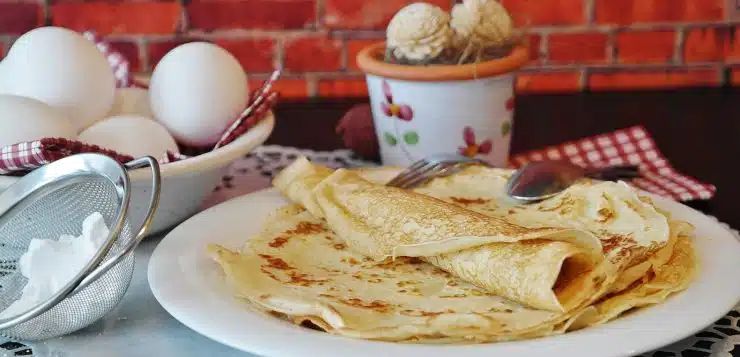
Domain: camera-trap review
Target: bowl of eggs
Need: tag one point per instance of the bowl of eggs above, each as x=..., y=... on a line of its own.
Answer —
x=55, y=83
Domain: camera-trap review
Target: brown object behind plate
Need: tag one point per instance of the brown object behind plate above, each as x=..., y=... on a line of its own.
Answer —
x=358, y=131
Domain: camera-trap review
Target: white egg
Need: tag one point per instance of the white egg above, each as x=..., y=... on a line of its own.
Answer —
x=196, y=91
x=131, y=135
x=131, y=101
x=25, y=119
x=63, y=69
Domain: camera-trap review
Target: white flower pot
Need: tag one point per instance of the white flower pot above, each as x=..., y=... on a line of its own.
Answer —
x=423, y=110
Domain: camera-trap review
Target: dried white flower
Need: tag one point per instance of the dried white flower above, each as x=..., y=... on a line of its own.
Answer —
x=419, y=32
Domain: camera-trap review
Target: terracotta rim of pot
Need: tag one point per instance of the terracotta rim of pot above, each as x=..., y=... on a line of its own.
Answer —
x=370, y=60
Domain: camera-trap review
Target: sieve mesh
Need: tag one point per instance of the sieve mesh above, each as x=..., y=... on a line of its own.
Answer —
x=57, y=210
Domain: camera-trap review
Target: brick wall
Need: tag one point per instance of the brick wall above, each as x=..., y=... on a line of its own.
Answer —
x=576, y=44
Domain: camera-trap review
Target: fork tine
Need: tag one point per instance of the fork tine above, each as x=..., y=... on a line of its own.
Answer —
x=415, y=174
x=441, y=170
x=420, y=173
x=402, y=174
x=425, y=176
x=425, y=169
x=411, y=170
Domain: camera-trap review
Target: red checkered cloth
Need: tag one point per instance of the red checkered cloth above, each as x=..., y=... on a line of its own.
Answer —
x=627, y=146
x=259, y=112
x=23, y=157
x=117, y=62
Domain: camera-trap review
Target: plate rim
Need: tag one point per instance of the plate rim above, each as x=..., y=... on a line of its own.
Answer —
x=577, y=343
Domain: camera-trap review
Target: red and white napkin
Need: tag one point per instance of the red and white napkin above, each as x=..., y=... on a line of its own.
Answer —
x=117, y=62
x=626, y=146
x=23, y=157
x=20, y=158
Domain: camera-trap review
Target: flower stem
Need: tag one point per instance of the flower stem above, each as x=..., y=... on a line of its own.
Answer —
x=401, y=139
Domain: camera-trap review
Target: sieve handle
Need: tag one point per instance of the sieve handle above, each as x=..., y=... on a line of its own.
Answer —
x=153, y=199
x=146, y=161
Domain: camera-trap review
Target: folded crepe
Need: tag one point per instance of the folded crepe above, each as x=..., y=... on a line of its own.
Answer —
x=539, y=267
x=632, y=231
x=298, y=269
x=673, y=276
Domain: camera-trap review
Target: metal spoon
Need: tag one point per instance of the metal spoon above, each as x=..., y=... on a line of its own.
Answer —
x=537, y=181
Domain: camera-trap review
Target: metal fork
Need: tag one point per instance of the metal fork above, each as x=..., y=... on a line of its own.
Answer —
x=431, y=167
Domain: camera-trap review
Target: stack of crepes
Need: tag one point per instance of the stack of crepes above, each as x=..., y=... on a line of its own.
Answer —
x=455, y=261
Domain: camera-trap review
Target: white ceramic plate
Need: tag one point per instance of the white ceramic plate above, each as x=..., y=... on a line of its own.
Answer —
x=191, y=288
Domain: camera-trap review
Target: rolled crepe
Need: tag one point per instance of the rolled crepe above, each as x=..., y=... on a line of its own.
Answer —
x=634, y=233
x=530, y=266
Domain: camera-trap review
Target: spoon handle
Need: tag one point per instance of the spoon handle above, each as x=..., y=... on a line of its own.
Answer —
x=615, y=173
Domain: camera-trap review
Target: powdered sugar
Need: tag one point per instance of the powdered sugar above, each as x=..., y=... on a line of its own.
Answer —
x=49, y=265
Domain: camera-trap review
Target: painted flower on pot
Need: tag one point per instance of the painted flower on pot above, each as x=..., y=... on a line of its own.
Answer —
x=472, y=148
x=509, y=104
x=398, y=112
x=506, y=124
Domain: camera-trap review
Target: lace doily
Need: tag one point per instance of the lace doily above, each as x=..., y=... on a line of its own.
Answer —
x=255, y=171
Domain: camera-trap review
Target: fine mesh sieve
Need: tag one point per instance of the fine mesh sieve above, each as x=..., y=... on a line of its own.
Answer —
x=52, y=201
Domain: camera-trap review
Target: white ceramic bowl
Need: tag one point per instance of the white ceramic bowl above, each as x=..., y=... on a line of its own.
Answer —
x=185, y=184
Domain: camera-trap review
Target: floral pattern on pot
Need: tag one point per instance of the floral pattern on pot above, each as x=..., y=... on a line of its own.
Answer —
x=400, y=111
x=471, y=148
x=390, y=139
x=510, y=104
x=505, y=128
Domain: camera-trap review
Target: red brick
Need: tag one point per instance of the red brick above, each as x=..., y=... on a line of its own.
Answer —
x=130, y=51
x=313, y=54
x=626, y=12
x=156, y=50
x=119, y=18
x=653, y=79
x=546, y=12
x=17, y=18
x=645, y=46
x=364, y=14
x=353, y=48
x=731, y=44
x=577, y=47
x=735, y=77
x=704, y=10
x=712, y=44
x=343, y=87
x=703, y=45
x=255, y=55
x=548, y=82
x=252, y=14
x=534, y=41
x=287, y=88
x=732, y=48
